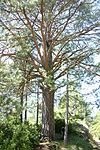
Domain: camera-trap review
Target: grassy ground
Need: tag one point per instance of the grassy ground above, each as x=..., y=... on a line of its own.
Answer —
x=76, y=142
x=79, y=138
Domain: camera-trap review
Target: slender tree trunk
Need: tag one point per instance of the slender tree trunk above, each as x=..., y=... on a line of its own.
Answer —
x=48, y=127
x=21, y=102
x=66, y=116
x=37, y=116
x=26, y=107
x=21, y=115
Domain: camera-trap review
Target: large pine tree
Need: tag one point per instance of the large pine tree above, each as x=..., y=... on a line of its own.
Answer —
x=52, y=36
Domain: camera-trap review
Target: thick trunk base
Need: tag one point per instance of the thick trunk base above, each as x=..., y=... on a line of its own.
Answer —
x=48, y=126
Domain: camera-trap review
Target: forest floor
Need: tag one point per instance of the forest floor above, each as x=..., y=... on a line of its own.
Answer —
x=79, y=140
x=46, y=146
x=81, y=144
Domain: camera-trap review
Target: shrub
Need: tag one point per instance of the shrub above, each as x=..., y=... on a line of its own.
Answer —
x=18, y=136
x=59, y=124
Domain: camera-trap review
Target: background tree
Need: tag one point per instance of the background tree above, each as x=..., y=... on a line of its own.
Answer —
x=9, y=80
x=67, y=112
x=78, y=108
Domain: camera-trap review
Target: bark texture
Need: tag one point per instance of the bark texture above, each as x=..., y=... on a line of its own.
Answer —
x=37, y=116
x=21, y=115
x=66, y=116
x=48, y=127
x=26, y=107
x=21, y=102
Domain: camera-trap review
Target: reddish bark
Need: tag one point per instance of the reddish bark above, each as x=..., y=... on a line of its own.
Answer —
x=48, y=128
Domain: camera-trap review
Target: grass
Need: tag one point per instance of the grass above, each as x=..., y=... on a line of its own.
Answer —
x=78, y=141
x=79, y=138
x=75, y=142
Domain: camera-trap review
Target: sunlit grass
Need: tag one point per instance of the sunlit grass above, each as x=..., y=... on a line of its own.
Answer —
x=76, y=142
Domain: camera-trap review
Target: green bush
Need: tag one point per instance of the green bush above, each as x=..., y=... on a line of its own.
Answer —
x=59, y=124
x=18, y=136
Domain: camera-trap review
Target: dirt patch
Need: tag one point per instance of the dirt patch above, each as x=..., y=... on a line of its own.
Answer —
x=48, y=146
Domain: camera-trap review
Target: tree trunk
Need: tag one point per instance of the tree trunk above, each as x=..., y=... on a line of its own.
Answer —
x=21, y=115
x=26, y=107
x=66, y=116
x=37, y=116
x=21, y=102
x=48, y=126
